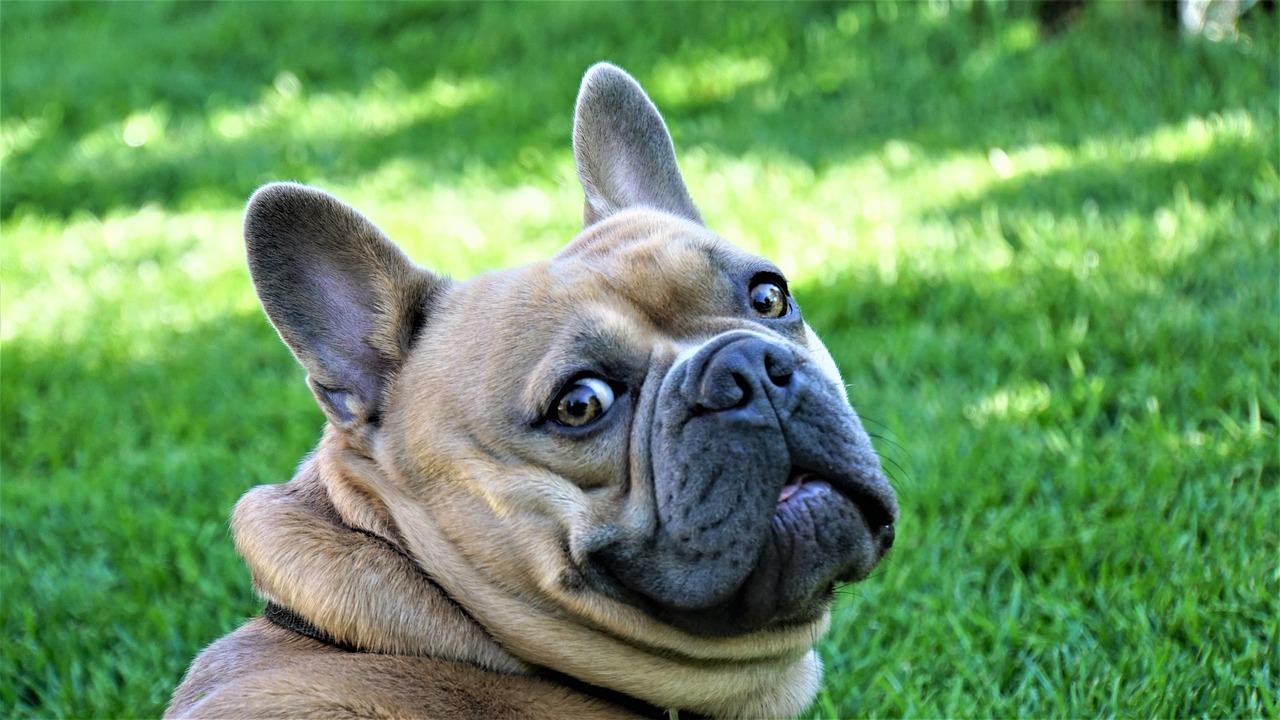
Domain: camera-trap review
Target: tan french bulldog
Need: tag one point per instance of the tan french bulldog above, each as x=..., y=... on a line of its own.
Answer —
x=621, y=482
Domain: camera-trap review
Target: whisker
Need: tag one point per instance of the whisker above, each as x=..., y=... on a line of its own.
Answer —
x=868, y=419
x=906, y=474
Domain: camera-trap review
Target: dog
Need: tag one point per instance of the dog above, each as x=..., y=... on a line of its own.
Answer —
x=622, y=482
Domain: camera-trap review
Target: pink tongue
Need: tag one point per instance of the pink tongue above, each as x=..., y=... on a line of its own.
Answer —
x=793, y=484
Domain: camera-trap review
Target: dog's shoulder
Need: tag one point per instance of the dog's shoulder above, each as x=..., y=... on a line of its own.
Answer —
x=263, y=670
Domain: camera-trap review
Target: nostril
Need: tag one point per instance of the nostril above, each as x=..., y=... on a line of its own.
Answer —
x=724, y=391
x=742, y=372
x=744, y=389
x=779, y=376
x=779, y=366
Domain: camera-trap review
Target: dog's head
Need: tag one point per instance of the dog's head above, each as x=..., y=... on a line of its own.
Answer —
x=634, y=452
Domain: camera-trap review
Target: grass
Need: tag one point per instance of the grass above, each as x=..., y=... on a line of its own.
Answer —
x=1047, y=267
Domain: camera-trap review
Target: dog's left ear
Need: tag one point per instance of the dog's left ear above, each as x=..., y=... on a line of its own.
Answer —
x=623, y=150
x=343, y=297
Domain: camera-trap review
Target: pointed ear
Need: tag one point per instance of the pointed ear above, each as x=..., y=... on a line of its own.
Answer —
x=623, y=150
x=343, y=297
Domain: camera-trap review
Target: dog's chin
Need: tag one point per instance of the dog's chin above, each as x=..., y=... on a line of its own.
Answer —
x=821, y=535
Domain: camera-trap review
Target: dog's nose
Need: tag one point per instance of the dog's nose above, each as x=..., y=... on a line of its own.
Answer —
x=740, y=371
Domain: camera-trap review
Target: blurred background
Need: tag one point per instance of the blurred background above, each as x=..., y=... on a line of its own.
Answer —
x=1041, y=240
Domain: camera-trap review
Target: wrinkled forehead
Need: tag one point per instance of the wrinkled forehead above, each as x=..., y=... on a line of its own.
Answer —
x=669, y=270
x=630, y=291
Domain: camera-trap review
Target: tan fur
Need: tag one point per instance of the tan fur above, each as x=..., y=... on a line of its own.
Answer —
x=264, y=671
x=433, y=529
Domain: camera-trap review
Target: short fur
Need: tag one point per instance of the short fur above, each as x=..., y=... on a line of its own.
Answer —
x=486, y=562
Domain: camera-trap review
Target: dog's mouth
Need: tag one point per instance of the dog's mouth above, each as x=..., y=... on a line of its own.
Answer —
x=877, y=513
x=825, y=530
x=794, y=483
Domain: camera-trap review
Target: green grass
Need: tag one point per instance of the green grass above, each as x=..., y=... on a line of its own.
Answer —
x=1048, y=268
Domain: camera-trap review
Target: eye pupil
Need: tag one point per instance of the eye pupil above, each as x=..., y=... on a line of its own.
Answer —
x=584, y=401
x=768, y=300
x=580, y=403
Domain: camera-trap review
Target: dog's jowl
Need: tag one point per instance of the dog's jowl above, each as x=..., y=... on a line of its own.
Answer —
x=617, y=483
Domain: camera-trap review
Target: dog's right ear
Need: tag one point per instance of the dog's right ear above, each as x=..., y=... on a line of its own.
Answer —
x=623, y=151
x=343, y=297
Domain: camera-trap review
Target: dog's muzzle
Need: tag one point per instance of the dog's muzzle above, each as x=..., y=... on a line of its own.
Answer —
x=767, y=491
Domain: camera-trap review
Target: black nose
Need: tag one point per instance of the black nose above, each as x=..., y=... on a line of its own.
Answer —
x=740, y=372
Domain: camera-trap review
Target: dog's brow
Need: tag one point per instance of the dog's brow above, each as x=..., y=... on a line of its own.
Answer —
x=600, y=347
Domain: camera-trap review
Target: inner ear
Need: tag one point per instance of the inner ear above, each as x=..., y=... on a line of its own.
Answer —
x=343, y=297
x=623, y=151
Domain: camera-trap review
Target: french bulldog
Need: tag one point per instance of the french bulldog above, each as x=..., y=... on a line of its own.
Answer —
x=621, y=482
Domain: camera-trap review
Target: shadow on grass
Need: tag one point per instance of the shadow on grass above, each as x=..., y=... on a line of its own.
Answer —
x=1117, y=187
x=120, y=471
x=217, y=99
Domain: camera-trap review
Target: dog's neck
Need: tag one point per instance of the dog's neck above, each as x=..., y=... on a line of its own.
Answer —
x=323, y=547
x=353, y=582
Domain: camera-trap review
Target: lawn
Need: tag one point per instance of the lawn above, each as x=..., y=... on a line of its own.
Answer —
x=1049, y=268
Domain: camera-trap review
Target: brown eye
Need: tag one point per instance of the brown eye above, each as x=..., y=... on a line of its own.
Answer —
x=769, y=300
x=583, y=401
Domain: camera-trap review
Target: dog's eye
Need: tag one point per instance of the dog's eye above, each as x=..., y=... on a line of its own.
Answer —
x=583, y=401
x=769, y=300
